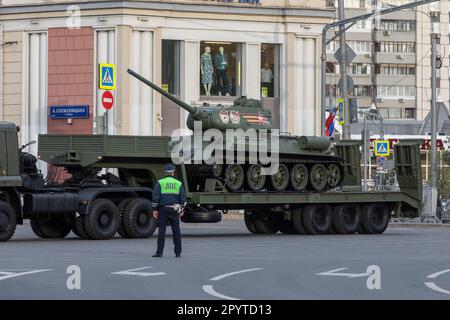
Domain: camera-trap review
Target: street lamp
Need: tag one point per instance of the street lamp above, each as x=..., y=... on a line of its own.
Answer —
x=372, y=114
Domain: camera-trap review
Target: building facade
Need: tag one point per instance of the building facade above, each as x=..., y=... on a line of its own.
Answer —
x=202, y=51
x=393, y=58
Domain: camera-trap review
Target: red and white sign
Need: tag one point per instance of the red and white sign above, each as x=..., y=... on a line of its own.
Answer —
x=107, y=100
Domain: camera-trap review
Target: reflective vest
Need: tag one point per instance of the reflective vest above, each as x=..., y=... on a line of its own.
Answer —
x=170, y=185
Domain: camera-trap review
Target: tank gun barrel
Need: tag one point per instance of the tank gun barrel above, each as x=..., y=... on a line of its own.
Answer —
x=192, y=110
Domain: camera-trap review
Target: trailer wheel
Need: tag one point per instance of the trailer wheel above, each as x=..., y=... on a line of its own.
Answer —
x=138, y=221
x=346, y=218
x=51, y=228
x=8, y=221
x=78, y=228
x=375, y=218
x=249, y=222
x=122, y=207
x=102, y=221
x=317, y=219
x=297, y=221
x=265, y=223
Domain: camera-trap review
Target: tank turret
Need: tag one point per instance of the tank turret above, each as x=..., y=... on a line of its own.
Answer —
x=245, y=113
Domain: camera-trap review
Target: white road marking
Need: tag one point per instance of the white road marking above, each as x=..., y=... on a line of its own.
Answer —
x=133, y=272
x=209, y=289
x=434, y=286
x=222, y=276
x=335, y=273
x=437, y=274
x=8, y=274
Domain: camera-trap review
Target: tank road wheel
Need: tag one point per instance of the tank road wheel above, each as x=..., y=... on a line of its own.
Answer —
x=297, y=221
x=299, y=177
x=375, y=218
x=318, y=177
x=102, y=221
x=138, y=221
x=78, y=228
x=121, y=207
x=265, y=223
x=317, y=218
x=249, y=221
x=217, y=170
x=51, y=228
x=280, y=180
x=334, y=175
x=7, y=221
x=346, y=218
x=255, y=179
x=234, y=177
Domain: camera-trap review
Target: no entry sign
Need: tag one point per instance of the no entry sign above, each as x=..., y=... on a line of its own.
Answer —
x=107, y=100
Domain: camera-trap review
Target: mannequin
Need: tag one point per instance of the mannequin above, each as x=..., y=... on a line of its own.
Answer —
x=206, y=68
x=267, y=78
x=221, y=65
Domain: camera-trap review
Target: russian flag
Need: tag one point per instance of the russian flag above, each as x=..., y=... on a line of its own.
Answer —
x=329, y=123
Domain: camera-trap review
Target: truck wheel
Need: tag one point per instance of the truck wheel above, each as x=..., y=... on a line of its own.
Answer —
x=102, y=221
x=317, y=219
x=51, y=228
x=265, y=223
x=346, y=218
x=297, y=221
x=7, y=221
x=78, y=228
x=249, y=222
x=138, y=221
x=122, y=207
x=375, y=218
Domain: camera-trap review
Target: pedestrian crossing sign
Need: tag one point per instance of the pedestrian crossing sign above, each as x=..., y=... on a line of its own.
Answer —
x=381, y=148
x=107, y=76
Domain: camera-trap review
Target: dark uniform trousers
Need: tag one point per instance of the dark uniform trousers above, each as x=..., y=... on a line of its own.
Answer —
x=165, y=215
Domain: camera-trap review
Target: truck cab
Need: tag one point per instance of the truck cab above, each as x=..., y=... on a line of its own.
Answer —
x=10, y=181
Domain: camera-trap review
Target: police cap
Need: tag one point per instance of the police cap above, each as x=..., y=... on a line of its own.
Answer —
x=169, y=167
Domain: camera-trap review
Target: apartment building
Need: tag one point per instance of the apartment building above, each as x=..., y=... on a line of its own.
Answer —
x=392, y=64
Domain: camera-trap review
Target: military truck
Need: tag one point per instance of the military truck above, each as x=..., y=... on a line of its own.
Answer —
x=100, y=185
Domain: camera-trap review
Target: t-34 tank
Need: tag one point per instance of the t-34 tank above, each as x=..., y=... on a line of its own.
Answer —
x=306, y=163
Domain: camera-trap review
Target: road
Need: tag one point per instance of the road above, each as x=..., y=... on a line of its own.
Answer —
x=224, y=261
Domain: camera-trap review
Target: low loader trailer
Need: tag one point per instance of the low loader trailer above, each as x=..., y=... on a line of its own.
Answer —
x=100, y=185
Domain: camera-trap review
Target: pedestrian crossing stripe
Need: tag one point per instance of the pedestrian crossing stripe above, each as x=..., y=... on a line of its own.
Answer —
x=107, y=76
x=381, y=148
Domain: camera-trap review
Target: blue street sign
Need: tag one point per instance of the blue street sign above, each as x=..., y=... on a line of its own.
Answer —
x=381, y=148
x=69, y=112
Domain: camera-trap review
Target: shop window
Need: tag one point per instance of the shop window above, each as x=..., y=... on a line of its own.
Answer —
x=270, y=71
x=171, y=66
x=220, y=68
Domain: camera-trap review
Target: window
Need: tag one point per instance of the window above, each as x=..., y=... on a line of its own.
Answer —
x=408, y=92
x=270, y=70
x=398, y=25
x=359, y=68
x=398, y=69
x=220, y=68
x=362, y=91
x=331, y=67
x=171, y=66
x=357, y=46
x=409, y=113
x=398, y=47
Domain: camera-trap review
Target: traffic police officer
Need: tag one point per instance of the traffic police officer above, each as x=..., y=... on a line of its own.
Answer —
x=169, y=199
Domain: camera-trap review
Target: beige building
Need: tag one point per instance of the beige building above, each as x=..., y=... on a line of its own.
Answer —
x=202, y=51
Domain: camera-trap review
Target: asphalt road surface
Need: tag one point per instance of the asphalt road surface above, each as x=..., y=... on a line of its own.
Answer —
x=224, y=261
